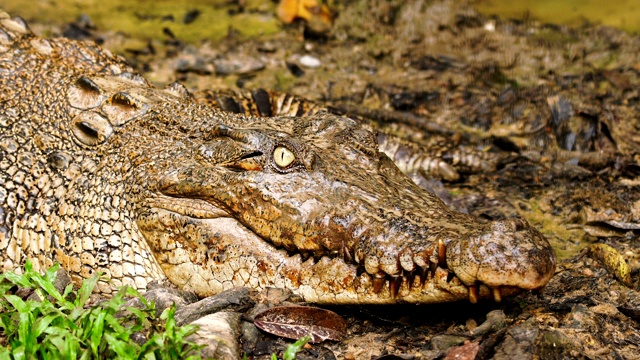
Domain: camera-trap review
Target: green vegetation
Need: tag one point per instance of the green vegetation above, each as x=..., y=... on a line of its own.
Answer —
x=63, y=326
x=291, y=350
x=623, y=14
x=146, y=19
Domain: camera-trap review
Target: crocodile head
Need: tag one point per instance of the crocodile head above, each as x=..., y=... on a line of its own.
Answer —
x=312, y=205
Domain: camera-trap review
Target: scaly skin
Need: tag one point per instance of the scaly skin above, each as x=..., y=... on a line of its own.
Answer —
x=102, y=172
x=439, y=159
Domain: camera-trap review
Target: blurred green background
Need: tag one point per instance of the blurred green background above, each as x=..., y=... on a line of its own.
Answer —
x=143, y=18
x=623, y=14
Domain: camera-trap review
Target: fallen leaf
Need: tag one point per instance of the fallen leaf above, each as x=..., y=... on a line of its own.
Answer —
x=289, y=10
x=467, y=351
x=294, y=322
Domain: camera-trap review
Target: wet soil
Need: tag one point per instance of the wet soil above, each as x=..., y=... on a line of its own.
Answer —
x=557, y=106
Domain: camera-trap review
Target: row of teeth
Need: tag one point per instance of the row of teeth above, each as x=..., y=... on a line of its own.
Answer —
x=380, y=278
x=395, y=281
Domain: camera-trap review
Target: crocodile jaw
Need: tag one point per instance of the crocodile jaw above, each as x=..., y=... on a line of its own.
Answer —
x=209, y=251
x=215, y=260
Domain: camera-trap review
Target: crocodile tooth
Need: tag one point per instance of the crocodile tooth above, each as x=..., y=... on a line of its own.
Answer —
x=497, y=296
x=450, y=276
x=538, y=291
x=411, y=277
x=358, y=255
x=395, y=282
x=378, y=282
x=473, y=294
x=346, y=255
x=432, y=268
x=424, y=274
x=442, y=254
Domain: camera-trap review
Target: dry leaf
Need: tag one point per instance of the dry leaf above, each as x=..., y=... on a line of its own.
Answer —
x=294, y=322
x=467, y=351
x=289, y=10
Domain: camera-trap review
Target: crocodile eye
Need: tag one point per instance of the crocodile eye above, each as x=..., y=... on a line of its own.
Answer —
x=283, y=157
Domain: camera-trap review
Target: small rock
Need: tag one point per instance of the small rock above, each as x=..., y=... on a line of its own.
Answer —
x=236, y=299
x=218, y=333
x=605, y=309
x=495, y=321
x=587, y=272
x=444, y=342
x=310, y=62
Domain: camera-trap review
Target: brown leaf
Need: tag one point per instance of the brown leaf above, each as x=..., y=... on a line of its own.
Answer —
x=294, y=322
x=467, y=351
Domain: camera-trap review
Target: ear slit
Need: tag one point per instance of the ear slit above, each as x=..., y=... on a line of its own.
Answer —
x=251, y=155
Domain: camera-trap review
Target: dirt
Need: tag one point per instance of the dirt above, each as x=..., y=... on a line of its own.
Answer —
x=559, y=105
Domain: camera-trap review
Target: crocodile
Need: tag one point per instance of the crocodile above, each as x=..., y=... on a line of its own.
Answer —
x=102, y=172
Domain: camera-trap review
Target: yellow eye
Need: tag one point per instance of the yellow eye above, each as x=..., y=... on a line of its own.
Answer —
x=283, y=157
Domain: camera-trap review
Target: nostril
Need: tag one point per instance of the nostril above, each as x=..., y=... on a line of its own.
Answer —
x=519, y=224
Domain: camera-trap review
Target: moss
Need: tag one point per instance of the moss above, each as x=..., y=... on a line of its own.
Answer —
x=624, y=14
x=566, y=242
x=145, y=19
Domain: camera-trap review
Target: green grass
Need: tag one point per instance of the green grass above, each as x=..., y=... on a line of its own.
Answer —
x=62, y=326
x=293, y=349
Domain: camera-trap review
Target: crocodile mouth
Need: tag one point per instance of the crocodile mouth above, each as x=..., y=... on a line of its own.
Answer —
x=408, y=257
x=404, y=287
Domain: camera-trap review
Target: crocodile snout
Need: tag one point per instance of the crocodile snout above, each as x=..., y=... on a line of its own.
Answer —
x=508, y=254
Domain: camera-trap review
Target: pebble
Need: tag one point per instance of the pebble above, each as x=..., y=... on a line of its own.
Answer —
x=587, y=272
x=309, y=61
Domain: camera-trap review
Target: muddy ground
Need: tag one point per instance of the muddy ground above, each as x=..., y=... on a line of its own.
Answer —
x=554, y=108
